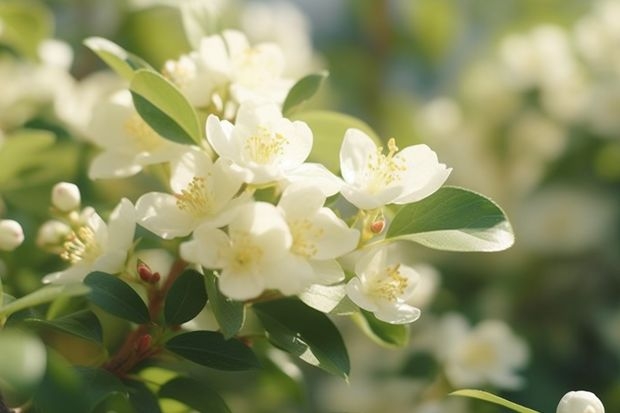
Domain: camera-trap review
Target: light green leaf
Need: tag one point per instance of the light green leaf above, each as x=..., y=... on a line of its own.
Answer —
x=211, y=349
x=43, y=295
x=162, y=105
x=328, y=129
x=323, y=297
x=304, y=89
x=197, y=395
x=24, y=26
x=117, y=58
x=453, y=219
x=483, y=395
x=19, y=152
x=229, y=314
x=391, y=335
x=116, y=297
x=83, y=324
x=186, y=298
x=306, y=333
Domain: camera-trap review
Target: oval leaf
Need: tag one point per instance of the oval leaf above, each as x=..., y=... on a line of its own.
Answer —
x=392, y=335
x=483, y=395
x=211, y=349
x=229, y=314
x=453, y=219
x=142, y=399
x=303, y=90
x=100, y=385
x=162, y=105
x=186, y=298
x=83, y=324
x=306, y=333
x=117, y=58
x=41, y=296
x=194, y=394
x=116, y=297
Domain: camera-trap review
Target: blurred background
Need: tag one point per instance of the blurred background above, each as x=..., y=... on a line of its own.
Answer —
x=520, y=97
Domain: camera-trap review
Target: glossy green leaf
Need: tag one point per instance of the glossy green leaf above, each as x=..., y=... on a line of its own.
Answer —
x=306, y=333
x=24, y=26
x=211, y=349
x=116, y=297
x=100, y=385
x=323, y=297
x=194, y=394
x=229, y=314
x=186, y=298
x=162, y=105
x=141, y=397
x=453, y=219
x=483, y=395
x=328, y=129
x=43, y=295
x=393, y=335
x=304, y=89
x=117, y=58
x=23, y=361
x=83, y=324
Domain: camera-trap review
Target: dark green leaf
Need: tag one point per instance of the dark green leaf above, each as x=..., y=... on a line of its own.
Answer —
x=194, y=394
x=142, y=398
x=165, y=108
x=117, y=58
x=116, y=297
x=303, y=90
x=229, y=314
x=395, y=335
x=306, y=333
x=211, y=349
x=453, y=219
x=483, y=395
x=83, y=324
x=99, y=385
x=186, y=298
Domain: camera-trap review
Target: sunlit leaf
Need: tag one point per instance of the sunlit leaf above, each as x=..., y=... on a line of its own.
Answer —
x=394, y=335
x=306, y=333
x=211, y=349
x=43, y=295
x=229, y=314
x=186, y=298
x=453, y=219
x=83, y=324
x=116, y=297
x=197, y=395
x=483, y=395
x=323, y=297
x=24, y=26
x=117, y=58
x=304, y=89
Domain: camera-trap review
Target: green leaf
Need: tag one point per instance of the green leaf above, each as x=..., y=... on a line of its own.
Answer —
x=19, y=153
x=43, y=295
x=328, y=129
x=24, y=26
x=83, y=324
x=141, y=397
x=186, y=298
x=306, y=333
x=453, y=219
x=229, y=314
x=303, y=90
x=100, y=385
x=483, y=395
x=162, y=105
x=23, y=361
x=117, y=58
x=211, y=349
x=323, y=297
x=194, y=394
x=116, y=297
x=392, y=335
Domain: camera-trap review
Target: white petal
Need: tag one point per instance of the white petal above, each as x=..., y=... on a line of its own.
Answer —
x=424, y=174
x=208, y=248
x=317, y=175
x=113, y=164
x=75, y=273
x=337, y=238
x=112, y=262
x=327, y=272
x=187, y=166
x=299, y=142
x=397, y=313
x=289, y=274
x=355, y=291
x=301, y=201
x=265, y=223
x=219, y=135
x=364, y=200
x=241, y=286
x=159, y=213
x=122, y=225
x=355, y=151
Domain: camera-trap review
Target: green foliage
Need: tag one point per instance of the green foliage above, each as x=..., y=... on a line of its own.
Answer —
x=194, y=394
x=306, y=333
x=211, y=349
x=229, y=314
x=453, y=219
x=23, y=361
x=99, y=385
x=116, y=297
x=83, y=324
x=41, y=296
x=186, y=298
x=303, y=90
x=483, y=395
x=117, y=58
x=24, y=25
x=21, y=153
x=141, y=397
x=165, y=108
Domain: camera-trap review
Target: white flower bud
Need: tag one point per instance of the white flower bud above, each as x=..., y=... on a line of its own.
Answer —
x=580, y=402
x=66, y=196
x=52, y=233
x=11, y=234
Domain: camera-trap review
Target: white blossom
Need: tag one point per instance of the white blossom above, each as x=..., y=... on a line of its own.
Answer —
x=66, y=196
x=580, y=402
x=11, y=234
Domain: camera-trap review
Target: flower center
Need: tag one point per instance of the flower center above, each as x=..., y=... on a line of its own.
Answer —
x=143, y=136
x=384, y=170
x=305, y=235
x=245, y=253
x=479, y=355
x=390, y=284
x=264, y=146
x=195, y=199
x=80, y=245
x=180, y=72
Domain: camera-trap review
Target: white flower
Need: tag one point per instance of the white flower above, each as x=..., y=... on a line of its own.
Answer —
x=66, y=196
x=11, y=234
x=384, y=287
x=373, y=179
x=52, y=234
x=95, y=246
x=487, y=354
x=203, y=192
x=252, y=257
x=128, y=142
x=319, y=236
x=580, y=402
x=262, y=145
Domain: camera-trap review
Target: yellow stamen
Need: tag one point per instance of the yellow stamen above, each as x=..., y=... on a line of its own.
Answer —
x=195, y=199
x=384, y=169
x=80, y=245
x=144, y=137
x=305, y=235
x=390, y=284
x=264, y=146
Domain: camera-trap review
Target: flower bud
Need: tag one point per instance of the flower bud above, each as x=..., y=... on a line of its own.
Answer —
x=580, y=402
x=146, y=274
x=11, y=234
x=66, y=196
x=52, y=233
x=377, y=226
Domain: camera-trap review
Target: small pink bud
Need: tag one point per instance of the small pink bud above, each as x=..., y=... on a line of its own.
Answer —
x=377, y=226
